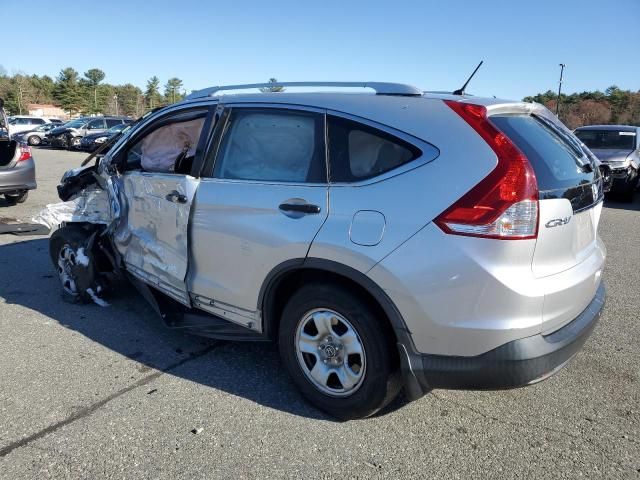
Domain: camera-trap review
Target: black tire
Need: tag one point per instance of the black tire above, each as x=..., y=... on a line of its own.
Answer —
x=74, y=237
x=381, y=381
x=21, y=197
x=34, y=140
x=629, y=189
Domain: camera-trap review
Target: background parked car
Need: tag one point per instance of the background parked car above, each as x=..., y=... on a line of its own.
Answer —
x=36, y=136
x=17, y=168
x=92, y=141
x=70, y=134
x=22, y=123
x=618, y=149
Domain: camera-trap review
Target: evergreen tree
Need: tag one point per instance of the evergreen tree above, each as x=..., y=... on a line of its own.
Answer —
x=93, y=77
x=68, y=92
x=152, y=93
x=172, y=90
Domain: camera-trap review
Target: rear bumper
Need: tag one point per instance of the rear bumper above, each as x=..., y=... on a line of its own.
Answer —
x=515, y=364
x=20, y=177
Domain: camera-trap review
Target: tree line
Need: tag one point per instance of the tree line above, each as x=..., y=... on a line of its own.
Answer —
x=613, y=106
x=86, y=94
x=90, y=94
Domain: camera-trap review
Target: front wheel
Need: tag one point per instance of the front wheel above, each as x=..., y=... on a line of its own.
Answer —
x=19, y=197
x=74, y=142
x=34, y=140
x=75, y=266
x=338, y=352
x=628, y=191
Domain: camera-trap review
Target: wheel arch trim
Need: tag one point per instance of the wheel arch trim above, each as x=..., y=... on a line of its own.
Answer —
x=278, y=273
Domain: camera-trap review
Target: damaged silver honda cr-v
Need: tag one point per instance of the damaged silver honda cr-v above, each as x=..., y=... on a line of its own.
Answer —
x=391, y=239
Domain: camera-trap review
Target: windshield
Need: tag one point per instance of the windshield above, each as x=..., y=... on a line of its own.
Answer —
x=607, y=139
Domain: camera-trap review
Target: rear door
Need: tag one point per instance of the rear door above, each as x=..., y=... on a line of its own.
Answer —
x=261, y=201
x=94, y=126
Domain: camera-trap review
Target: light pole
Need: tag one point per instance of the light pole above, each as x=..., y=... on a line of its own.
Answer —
x=115, y=99
x=562, y=65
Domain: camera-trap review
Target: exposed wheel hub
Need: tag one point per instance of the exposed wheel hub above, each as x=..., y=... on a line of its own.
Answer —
x=330, y=352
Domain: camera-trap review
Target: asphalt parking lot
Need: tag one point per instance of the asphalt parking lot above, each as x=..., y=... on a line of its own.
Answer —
x=91, y=392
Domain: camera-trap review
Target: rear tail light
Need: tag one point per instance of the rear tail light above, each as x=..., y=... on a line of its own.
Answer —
x=25, y=152
x=504, y=204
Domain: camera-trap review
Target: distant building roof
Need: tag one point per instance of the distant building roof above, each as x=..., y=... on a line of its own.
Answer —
x=33, y=106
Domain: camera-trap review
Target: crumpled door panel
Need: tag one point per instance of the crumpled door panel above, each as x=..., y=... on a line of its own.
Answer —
x=153, y=241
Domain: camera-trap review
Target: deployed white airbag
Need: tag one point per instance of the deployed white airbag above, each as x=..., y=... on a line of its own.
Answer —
x=161, y=147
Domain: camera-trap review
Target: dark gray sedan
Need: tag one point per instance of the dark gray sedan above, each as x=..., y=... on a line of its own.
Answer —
x=17, y=168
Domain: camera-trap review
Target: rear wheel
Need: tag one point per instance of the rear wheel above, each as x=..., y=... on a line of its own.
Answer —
x=19, y=197
x=34, y=140
x=338, y=352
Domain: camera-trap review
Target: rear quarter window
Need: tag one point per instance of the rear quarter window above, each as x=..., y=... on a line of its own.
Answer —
x=358, y=152
x=556, y=164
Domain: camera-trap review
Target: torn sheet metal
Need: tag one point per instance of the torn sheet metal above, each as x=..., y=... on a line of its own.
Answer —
x=92, y=205
x=153, y=238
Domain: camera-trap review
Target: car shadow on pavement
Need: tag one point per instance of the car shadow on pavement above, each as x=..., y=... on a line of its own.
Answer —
x=4, y=203
x=632, y=206
x=132, y=329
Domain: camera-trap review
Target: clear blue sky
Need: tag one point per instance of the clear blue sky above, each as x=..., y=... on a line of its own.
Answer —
x=433, y=45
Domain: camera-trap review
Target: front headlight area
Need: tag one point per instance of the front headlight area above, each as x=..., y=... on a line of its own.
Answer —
x=100, y=139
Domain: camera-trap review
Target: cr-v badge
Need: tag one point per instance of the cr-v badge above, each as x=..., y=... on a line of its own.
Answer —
x=557, y=222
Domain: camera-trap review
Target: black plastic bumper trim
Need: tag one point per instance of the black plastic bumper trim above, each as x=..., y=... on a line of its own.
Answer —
x=514, y=364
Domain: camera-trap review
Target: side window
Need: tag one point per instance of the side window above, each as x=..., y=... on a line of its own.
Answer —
x=358, y=152
x=96, y=124
x=169, y=147
x=112, y=122
x=37, y=121
x=273, y=146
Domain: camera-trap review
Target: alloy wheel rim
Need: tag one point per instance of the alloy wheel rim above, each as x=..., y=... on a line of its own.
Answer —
x=330, y=352
x=66, y=262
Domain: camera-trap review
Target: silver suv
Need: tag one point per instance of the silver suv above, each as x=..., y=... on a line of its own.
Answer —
x=384, y=240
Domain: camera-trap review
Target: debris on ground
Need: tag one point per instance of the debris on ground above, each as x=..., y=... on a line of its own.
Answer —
x=96, y=299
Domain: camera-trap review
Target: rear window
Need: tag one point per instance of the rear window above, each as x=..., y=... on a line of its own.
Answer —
x=358, y=152
x=555, y=162
x=607, y=139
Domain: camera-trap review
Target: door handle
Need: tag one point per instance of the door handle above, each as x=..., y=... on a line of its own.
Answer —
x=176, y=197
x=305, y=208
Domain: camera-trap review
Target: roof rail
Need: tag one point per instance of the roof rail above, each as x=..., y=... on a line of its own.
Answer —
x=381, y=88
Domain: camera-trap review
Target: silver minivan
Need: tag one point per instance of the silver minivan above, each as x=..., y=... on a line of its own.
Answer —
x=386, y=240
